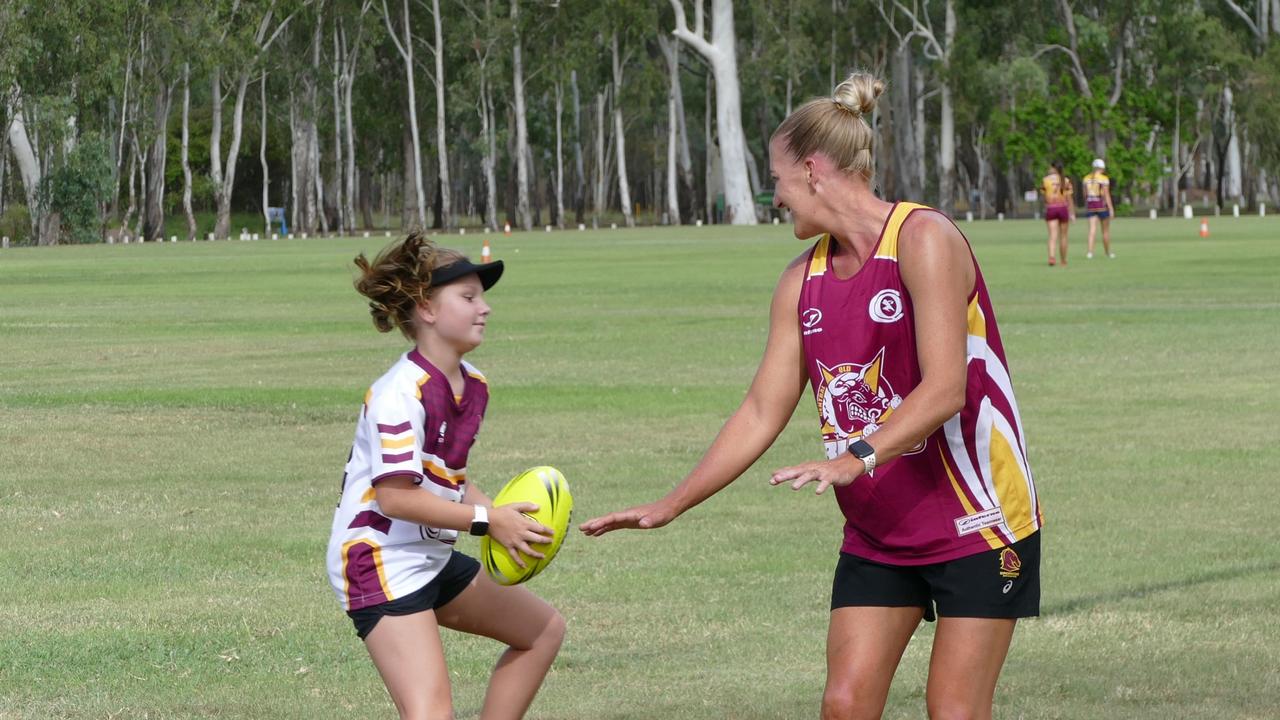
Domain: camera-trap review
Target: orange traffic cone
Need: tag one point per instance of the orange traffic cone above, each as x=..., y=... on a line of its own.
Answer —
x=506, y=228
x=484, y=252
x=1204, y=227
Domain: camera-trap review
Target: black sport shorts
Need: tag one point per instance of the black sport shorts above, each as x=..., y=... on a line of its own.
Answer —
x=1002, y=583
x=452, y=580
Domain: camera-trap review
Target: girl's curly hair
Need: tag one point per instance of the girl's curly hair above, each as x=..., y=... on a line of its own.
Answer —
x=399, y=280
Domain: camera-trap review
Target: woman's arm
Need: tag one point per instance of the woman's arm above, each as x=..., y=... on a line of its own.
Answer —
x=751, y=429
x=938, y=272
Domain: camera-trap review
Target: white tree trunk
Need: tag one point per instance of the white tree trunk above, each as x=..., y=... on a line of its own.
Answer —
x=906, y=181
x=350, y=156
x=673, y=203
x=405, y=49
x=1233, y=173
x=442, y=133
x=721, y=54
x=133, y=176
x=710, y=171
x=597, y=196
x=671, y=51
x=947, y=129
x=624, y=188
x=919, y=125
x=339, y=206
x=186, y=161
x=215, y=151
x=262, y=156
x=580, y=181
x=523, y=214
x=28, y=167
x=490, y=170
x=320, y=220
x=223, y=184
x=559, y=99
x=153, y=205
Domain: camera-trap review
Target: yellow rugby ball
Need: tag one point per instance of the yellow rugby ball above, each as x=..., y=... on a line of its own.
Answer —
x=545, y=487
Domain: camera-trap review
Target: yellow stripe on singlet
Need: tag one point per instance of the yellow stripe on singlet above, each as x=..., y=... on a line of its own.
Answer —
x=818, y=265
x=888, y=249
x=987, y=533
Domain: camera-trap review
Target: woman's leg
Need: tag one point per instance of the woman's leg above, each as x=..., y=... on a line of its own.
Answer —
x=1093, y=231
x=530, y=628
x=406, y=650
x=968, y=654
x=1053, y=241
x=864, y=645
x=1106, y=236
x=1063, y=226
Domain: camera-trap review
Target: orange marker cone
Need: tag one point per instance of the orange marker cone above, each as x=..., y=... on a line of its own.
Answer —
x=1204, y=227
x=484, y=252
x=506, y=228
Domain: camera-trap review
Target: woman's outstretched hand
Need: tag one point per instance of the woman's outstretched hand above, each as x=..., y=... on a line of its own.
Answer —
x=839, y=472
x=641, y=517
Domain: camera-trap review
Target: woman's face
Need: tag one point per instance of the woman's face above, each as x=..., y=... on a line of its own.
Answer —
x=792, y=189
x=458, y=313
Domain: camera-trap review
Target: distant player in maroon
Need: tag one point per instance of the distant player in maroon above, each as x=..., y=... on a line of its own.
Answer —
x=887, y=318
x=1059, y=211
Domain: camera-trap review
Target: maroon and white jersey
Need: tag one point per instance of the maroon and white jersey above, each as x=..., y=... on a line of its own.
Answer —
x=967, y=488
x=413, y=426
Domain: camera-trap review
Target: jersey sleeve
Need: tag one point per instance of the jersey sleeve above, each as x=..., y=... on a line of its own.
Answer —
x=395, y=431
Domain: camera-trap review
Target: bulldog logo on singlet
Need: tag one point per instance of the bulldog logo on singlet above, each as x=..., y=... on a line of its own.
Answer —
x=854, y=400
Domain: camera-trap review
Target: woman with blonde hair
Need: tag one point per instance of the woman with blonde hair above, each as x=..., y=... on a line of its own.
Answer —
x=887, y=318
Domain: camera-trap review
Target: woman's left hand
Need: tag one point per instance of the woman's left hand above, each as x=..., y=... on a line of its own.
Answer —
x=839, y=472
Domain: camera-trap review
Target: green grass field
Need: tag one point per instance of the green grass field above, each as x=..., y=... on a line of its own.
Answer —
x=176, y=417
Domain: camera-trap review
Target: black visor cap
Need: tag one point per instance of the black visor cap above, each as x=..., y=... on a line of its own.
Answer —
x=488, y=272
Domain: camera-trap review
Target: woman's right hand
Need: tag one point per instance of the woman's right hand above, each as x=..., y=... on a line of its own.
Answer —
x=641, y=517
x=511, y=528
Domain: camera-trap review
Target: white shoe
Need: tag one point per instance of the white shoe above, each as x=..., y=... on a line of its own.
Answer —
x=1112, y=256
x=1089, y=256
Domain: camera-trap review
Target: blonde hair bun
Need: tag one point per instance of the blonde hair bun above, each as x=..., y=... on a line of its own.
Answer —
x=858, y=93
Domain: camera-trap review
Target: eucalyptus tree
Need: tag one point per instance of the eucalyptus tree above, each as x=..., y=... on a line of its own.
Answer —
x=720, y=52
x=249, y=29
x=402, y=38
x=58, y=69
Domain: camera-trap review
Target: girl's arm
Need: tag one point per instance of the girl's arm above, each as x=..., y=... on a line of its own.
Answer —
x=401, y=498
x=751, y=429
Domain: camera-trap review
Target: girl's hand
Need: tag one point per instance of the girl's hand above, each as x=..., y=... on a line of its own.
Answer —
x=511, y=528
x=641, y=517
x=839, y=472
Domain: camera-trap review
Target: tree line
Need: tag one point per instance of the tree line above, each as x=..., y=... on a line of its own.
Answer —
x=354, y=114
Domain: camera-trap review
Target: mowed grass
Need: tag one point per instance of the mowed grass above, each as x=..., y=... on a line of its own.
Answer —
x=175, y=419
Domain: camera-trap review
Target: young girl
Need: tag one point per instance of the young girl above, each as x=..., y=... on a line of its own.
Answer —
x=406, y=497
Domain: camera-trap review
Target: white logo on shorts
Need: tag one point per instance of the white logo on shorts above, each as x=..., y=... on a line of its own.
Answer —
x=1007, y=587
x=886, y=306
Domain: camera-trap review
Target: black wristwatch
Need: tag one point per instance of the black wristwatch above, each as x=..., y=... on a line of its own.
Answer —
x=480, y=521
x=862, y=450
